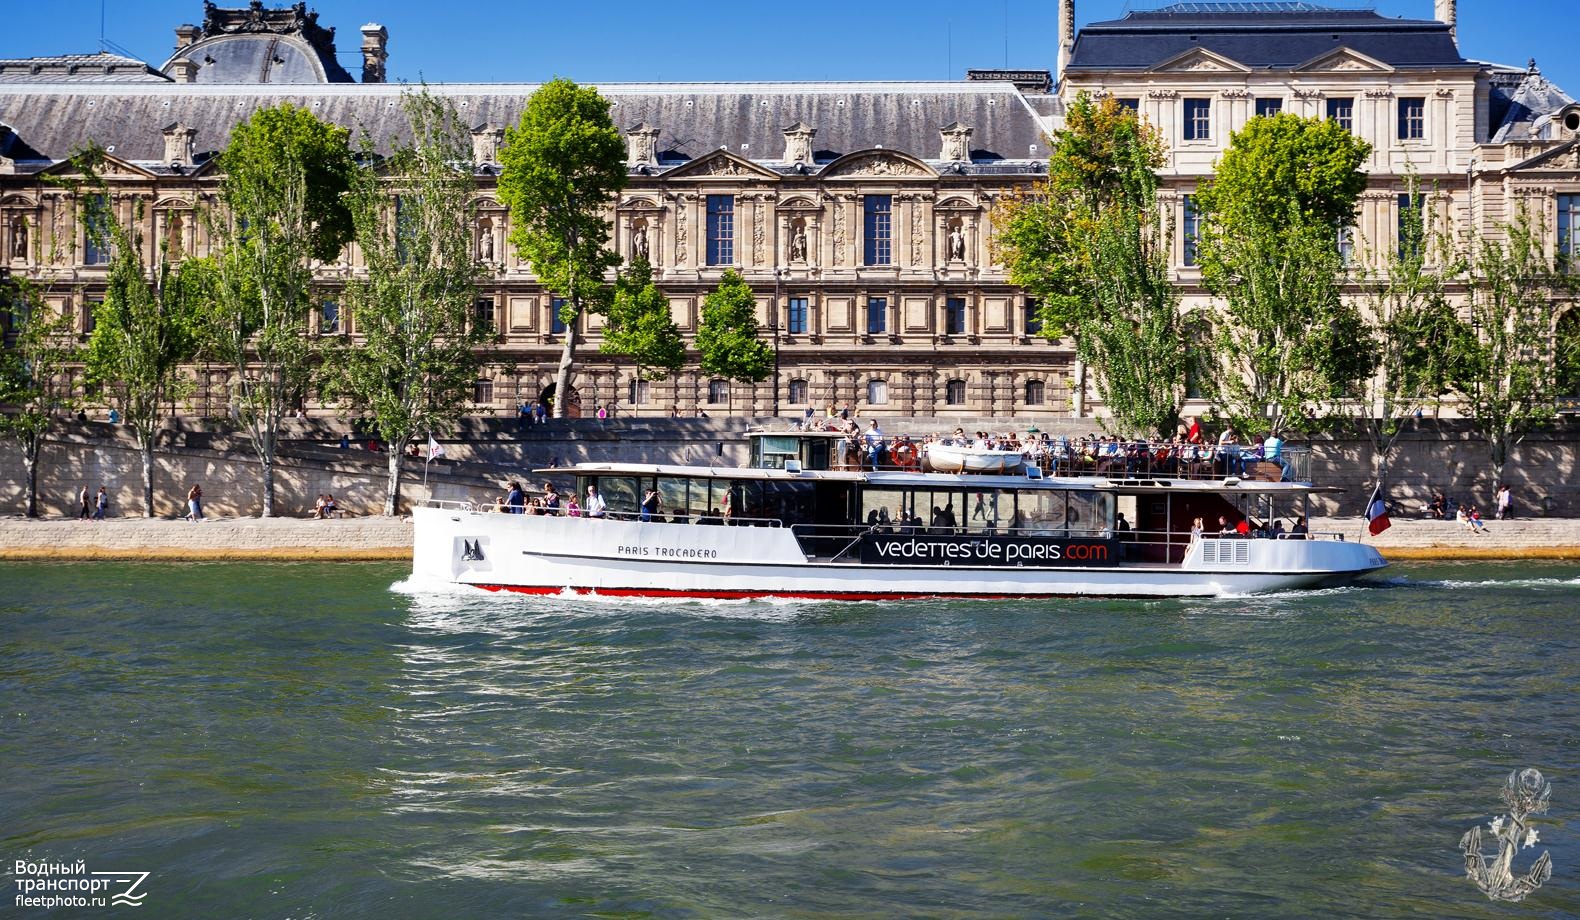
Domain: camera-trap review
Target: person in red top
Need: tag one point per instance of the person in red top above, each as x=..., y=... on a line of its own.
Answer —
x=1193, y=433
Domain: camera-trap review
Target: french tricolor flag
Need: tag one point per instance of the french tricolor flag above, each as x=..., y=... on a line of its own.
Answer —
x=1377, y=512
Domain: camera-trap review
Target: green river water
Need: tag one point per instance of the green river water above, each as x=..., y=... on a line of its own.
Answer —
x=334, y=741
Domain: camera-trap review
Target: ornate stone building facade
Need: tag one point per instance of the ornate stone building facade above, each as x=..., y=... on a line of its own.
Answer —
x=859, y=212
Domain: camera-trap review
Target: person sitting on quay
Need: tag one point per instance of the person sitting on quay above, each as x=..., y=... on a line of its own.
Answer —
x=1473, y=521
x=1434, y=508
x=318, y=508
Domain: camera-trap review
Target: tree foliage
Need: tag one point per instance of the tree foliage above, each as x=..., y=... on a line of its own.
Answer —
x=1414, y=328
x=283, y=204
x=1508, y=366
x=35, y=374
x=418, y=356
x=562, y=167
x=147, y=329
x=728, y=336
x=640, y=325
x=1288, y=342
x=1093, y=245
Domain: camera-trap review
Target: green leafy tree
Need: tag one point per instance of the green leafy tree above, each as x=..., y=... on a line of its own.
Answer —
x=419, y=354
x=283, y=205
x=1093, y=245
x=1290, y=344
x=562, y=167
x=35, y=374
x=147, y=328
x=1414, y=328
x=639, y=325
x=1508, y=367
x=728, y=336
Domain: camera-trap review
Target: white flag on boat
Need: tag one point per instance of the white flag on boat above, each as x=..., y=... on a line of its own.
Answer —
x=435, y=449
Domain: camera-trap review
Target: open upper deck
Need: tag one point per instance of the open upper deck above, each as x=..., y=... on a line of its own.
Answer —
x=1035, y=456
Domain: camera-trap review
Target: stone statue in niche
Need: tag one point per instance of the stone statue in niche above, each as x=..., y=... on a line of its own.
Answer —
x=485, y=244
x=957, y=243
x=798, y=242
x=639, y=245
x=19, y=237
x=174, y=226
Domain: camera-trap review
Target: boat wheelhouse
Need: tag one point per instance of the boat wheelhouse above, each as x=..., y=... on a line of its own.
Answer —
x=792, y=526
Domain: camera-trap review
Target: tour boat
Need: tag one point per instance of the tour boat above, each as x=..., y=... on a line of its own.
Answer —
x=789, y=526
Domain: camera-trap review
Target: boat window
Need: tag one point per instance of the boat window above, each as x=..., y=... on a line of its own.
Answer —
x=1042, y=513
x=887, y=508
x=620, y=493
x=672, y=500
x=790, y=502
x=776, y=450
x=989, y=510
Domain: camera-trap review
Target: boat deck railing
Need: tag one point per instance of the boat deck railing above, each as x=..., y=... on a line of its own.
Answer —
x=1113, y=459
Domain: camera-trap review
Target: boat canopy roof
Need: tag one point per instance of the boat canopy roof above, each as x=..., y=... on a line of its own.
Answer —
x=973, y=481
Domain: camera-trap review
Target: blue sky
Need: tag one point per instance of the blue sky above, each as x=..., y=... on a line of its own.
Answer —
x=913, y=40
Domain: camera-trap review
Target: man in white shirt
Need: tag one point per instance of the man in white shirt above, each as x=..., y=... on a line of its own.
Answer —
x=594, y=507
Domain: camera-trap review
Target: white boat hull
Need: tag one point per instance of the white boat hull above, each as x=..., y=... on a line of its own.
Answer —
x=553, y=555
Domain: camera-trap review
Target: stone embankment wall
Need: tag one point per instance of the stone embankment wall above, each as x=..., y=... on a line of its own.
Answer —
x=369, y=538
x=483, y=453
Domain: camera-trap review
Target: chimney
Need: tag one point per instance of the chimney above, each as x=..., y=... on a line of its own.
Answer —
x=486, y=141
x=1067, y=38
x=1443, y=11
x=186, y=35
x=641, y=145
x=184, y=71
x=374, y=39
x=798, y=144
x=178, y=144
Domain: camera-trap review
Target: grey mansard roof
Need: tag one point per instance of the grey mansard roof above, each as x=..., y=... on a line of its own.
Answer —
x=102, y=67
x=1521, y=104
x=694, y=119
x=1273, y=35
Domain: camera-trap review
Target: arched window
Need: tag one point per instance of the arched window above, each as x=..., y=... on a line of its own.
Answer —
x=877, y=392
x=955, y=393
x=1034, y=392
x=718, y=392
x=483, y=391
x=798, y=392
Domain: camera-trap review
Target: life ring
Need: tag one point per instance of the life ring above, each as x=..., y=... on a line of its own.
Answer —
x=905, y=455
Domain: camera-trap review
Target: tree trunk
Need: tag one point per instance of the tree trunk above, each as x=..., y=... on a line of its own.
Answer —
x=267, y=466
x=562, y=378
x=397, y=461
x=146, y=448
x=30, y=449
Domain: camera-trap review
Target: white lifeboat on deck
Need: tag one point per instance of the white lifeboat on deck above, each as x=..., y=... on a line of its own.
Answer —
x=960, y=458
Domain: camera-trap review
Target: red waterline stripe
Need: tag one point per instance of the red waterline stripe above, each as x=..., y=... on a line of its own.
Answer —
x=722, y=594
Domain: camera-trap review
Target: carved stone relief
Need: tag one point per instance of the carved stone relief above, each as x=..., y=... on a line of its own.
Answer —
x=680, y=230
x=759, y=232
x=722, y=166
x=839, y=231
x=916, y=232
x=877, y=164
